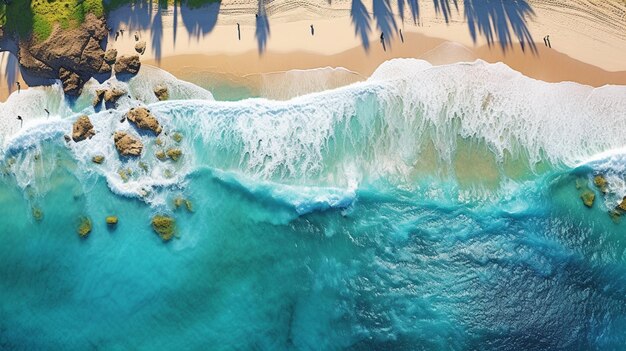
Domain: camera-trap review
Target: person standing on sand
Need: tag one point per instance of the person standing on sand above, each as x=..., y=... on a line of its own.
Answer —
x=548, y=40
x=401, y=36
x=19, y=118
x=382, y=41
x=136, y=36
x=312, y=30
x=117, y=34
x=19, y=87
x=545, y=42
x=238, y=31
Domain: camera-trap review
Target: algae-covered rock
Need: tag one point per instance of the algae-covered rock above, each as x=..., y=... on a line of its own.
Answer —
x=588, y=197
x=84, y=227
x=160, y=91
x=174, y=154
x=111, y=221
x=127, y=145
x=37, y=214
x=615, y=215
x=188, y=206
x=161, y=155
x=177, y=137
x=600, y=182
x=143, y=166
x=97, y=159
x=164, y=226
x=178, y=202
x=125, y=174
x=158, y=142
x=82, y=129
x=143, y=119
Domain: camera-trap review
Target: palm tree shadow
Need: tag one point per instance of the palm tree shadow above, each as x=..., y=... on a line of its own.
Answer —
x=443, y=7
x=385, y=20
x=496, y=19
x=199, y=21
x=262, y=27
x=361, y=20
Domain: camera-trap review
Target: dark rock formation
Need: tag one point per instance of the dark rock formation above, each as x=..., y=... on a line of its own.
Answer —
x=127, y=65
x=110, y=56
x=127, y=145
x=143, y=119
x=72, y=83
x=78, y=51
x=82, y=129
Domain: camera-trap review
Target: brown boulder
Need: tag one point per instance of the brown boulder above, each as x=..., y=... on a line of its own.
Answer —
x=111, y=95
x=82, y=129
x=140, y=47
x=127, y=65
x=110, y=56
x=127, y=145
x=161, y=92
x=143, y=119
x=72, y=83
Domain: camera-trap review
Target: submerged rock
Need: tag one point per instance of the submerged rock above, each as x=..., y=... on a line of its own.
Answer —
x=37, y=214
x=164, y=226
x=127, y=65
x=140, y=47
x=127, y=145
x=111, y=221
x=588, y=197
x=84, y=227
x=177, y=137
x=160, y=91
x=143, y=119
x=179, y=202
x=97, y=159
x=82, y=129
x=174, y=154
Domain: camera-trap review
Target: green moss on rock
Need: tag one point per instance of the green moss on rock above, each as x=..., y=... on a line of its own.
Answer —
x=588, y=197
x=84, y=227
x=111, y=220
x=164, y=226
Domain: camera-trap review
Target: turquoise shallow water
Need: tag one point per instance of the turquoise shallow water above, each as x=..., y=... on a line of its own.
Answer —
x=350, y=243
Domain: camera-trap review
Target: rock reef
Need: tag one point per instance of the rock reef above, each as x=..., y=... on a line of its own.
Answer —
x=127, y=145
x=82, y=129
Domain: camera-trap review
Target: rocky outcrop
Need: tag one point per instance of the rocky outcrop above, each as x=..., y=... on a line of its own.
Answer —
x=127, y=65
x=588, y=197
x=111, y=221
x=110, y=56
x=160, y=91
x=174, y=154
x=98, y=159
x=143, y=119
x=601, y=183
x=111, y=95
x=140, y=47
x=82, y=129
x=622, y=205
x=78, y=51
x=71, y=81
x=127, y=145
x=164, y=226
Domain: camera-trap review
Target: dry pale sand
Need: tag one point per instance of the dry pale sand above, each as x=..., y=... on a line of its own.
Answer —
x=588, y=39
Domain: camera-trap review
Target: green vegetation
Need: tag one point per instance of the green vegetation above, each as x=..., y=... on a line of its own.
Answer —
x=164, y=226
x=39, y=17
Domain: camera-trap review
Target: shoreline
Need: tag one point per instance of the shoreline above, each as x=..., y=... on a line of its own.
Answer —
x=584, y=51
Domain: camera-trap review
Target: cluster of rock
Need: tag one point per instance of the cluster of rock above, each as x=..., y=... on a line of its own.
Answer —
x=588, y=197
x=75, y=55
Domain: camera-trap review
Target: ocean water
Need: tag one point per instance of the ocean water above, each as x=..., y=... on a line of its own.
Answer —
x=426, y=208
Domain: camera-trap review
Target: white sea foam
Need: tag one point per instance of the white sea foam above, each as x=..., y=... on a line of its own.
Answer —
x=383, y=127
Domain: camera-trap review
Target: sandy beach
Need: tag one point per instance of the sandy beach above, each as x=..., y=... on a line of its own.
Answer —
x=588, y=39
